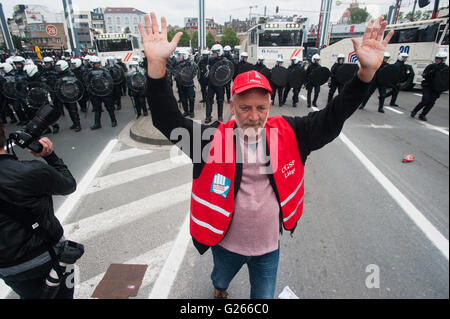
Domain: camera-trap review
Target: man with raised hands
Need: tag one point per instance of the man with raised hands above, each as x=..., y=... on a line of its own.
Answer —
x=248, y=173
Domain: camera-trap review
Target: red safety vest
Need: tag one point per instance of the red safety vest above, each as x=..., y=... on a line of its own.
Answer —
x=212, y=201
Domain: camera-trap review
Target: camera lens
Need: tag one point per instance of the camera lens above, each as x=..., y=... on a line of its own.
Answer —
x=45, y=116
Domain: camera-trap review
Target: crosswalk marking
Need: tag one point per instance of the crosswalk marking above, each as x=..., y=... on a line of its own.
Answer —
x=127, y=154
x=132, y=174
x=90, y=227
x=393, y=110
x=154, y=258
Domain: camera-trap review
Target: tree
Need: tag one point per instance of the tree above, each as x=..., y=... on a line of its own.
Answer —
x=427, y=15
x=16, y=42
x=358, y=16
x=184, y=40
x=210, y=40
x=230, y=38
x=417, y=15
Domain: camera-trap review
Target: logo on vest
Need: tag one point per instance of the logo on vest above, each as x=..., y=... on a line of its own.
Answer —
x=220, y=185
x=288, y=169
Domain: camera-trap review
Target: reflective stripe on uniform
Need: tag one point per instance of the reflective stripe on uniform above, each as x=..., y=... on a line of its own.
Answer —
x=292, y=195
x=206, y=225
x=209, y=205
x=293, y=213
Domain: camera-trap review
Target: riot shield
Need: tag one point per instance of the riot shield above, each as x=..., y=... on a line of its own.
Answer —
x=320, y=76
x=221, y=72
x=117, y=73
x=69, y=89
x=346, y=72
x=440, y=82
x=388, y=76
x=279, y=76
x=137, y=81
x=38, y=94
x=297, y=77
x=100, y=82
x=185, y=73
x=9, y=87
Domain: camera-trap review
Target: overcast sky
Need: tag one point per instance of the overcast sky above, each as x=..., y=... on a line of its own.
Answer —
x=176, y=10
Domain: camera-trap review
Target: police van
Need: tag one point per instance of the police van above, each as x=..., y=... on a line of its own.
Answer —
x=118, y=45
x=421, y=40
x=275, y=37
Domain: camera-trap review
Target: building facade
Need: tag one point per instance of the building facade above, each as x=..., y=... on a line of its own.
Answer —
x=123, y=20
x=191, y=25
x=37, y=25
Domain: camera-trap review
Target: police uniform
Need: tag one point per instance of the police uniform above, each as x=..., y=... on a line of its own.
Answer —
x=186, y=90
x=276, y=88
x=203, y=78
x=429, y=93
x=71, y=107
x=296, y=91
x=98, y=100
x=376, y=85
x=139, y=97
x=214, y=90
x=309, y=85
x=334, y=84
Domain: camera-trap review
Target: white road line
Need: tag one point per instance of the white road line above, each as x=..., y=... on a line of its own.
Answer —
x=132, y=174
x=303, y=97
x=435, y=128
x=163, y=284
x=418, y=94
x=126, y=154
x=393, y=110
x=154, y=258
x=90, y=227
x=66, y=208
x=68, y=205
x=416, y=216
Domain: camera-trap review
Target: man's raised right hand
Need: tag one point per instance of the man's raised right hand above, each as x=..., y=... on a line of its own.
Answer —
x=157, y=48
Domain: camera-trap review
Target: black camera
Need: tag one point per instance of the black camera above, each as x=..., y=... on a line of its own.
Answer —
x=29, y=136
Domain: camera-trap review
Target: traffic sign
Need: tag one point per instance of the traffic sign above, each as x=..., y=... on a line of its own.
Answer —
x=51, y=30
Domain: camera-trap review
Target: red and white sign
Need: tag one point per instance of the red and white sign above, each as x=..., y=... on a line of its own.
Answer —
x=51, y=30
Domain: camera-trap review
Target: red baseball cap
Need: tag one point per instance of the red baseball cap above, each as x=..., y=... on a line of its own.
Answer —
x=250, y=80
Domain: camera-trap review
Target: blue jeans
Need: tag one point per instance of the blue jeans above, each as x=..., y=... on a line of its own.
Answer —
x=262, y=271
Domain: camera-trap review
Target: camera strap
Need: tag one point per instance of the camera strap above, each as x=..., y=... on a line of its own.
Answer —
x=23, y=217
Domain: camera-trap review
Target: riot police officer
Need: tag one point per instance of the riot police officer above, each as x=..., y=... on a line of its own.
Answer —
x=400, y=63
x=20, y=76
x=137, y=95
x=227, y=54
x=243, y=66
x=117, y=90
x=430, y=92
x=120, y=63
x=275, y=88
x=315, y=64
x=334, y=84
x=295, y=63
x=62, y=67
x=213, y=90
x=203, y=78
x=36, y=78
x=77, y=69
x=186, y=89
x=49, y=73
x=98, y=100
x=376, y=85
x=261, y=67
x=6, y=103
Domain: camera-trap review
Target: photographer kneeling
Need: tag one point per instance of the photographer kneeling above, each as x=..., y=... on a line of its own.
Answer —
x=31, y=237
